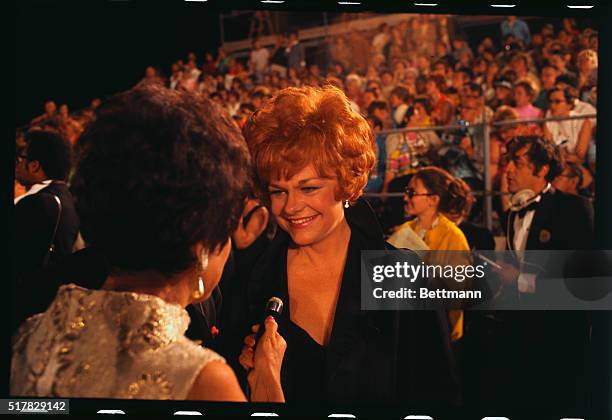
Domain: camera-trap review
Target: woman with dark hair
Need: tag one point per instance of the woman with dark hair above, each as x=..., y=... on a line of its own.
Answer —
x=312, y=155
x=160, y=188
x=433, y=197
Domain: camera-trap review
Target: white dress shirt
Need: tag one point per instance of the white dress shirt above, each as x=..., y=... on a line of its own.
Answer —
x=33, y=190
x=522, y=225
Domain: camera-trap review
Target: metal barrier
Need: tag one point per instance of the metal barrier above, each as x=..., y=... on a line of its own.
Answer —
x=488, y=192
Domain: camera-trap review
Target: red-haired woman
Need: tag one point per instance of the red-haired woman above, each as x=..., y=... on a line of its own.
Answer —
x=312, y=156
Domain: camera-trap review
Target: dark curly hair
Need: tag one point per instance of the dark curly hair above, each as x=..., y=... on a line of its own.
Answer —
x=160, y=171
x=540, y=153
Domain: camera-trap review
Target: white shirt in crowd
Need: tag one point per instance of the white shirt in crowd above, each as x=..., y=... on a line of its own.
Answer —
x=175, y=79
x=565, y=133
x=259, y=60
x=233, y=109
x=194, y=74
x=585, y=108
x=379, y=42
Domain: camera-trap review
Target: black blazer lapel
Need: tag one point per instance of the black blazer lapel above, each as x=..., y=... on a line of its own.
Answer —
x=266, y=278
x=355, y=336
x=540, y=231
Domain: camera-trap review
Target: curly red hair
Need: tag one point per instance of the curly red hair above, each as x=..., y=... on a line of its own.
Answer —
x=303, y=126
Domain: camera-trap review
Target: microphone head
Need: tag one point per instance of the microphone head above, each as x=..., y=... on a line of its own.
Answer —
x=274, y=305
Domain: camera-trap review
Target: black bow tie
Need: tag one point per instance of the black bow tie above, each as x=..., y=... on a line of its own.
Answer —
x=531, y=206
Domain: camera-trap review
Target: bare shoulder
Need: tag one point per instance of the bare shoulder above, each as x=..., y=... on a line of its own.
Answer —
x=216, y=382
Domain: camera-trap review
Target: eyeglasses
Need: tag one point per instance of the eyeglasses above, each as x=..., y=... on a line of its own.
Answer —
x=410, y=192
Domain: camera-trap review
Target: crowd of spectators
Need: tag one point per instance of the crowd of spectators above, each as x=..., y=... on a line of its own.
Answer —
x=430, y=97
x=414, y=74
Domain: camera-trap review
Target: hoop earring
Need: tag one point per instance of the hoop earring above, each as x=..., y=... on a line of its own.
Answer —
x=201, y=268
x=346, y=204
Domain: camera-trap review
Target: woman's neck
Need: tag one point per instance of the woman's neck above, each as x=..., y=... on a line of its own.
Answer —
x=174, y=290
x=427, y=218
x=337, y=239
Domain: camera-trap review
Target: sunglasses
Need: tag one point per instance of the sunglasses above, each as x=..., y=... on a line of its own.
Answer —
x=410, y=192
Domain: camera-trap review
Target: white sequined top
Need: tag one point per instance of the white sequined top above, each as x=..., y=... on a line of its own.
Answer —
x=105, y=344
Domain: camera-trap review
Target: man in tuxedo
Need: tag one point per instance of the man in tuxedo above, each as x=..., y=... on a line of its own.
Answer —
x=46, y=223
x=42, y=167
x=548, y=219
x=545, y=352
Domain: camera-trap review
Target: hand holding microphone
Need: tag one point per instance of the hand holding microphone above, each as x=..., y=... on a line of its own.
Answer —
x=263, y=355
x=274, y=308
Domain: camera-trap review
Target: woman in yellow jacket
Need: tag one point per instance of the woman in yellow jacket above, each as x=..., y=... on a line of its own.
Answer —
x=433, y=196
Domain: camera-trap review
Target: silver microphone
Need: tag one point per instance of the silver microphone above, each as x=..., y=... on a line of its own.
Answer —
x=274, y=308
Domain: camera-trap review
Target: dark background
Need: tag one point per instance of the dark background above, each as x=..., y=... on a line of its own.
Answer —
x=72, y=54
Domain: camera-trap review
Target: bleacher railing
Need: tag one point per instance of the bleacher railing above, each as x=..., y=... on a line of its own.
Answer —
x=485, y=128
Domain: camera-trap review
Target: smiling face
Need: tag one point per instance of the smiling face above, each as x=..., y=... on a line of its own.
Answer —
x=306, y=207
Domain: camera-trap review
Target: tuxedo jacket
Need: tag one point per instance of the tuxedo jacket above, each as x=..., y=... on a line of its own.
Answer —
x=372, y=356
x=35, y=219
x=550, y=349
x=561, y=222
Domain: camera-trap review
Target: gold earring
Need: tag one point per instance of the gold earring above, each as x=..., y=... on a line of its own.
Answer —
x=346, y=204
x=201, y=267
x=199, y=292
